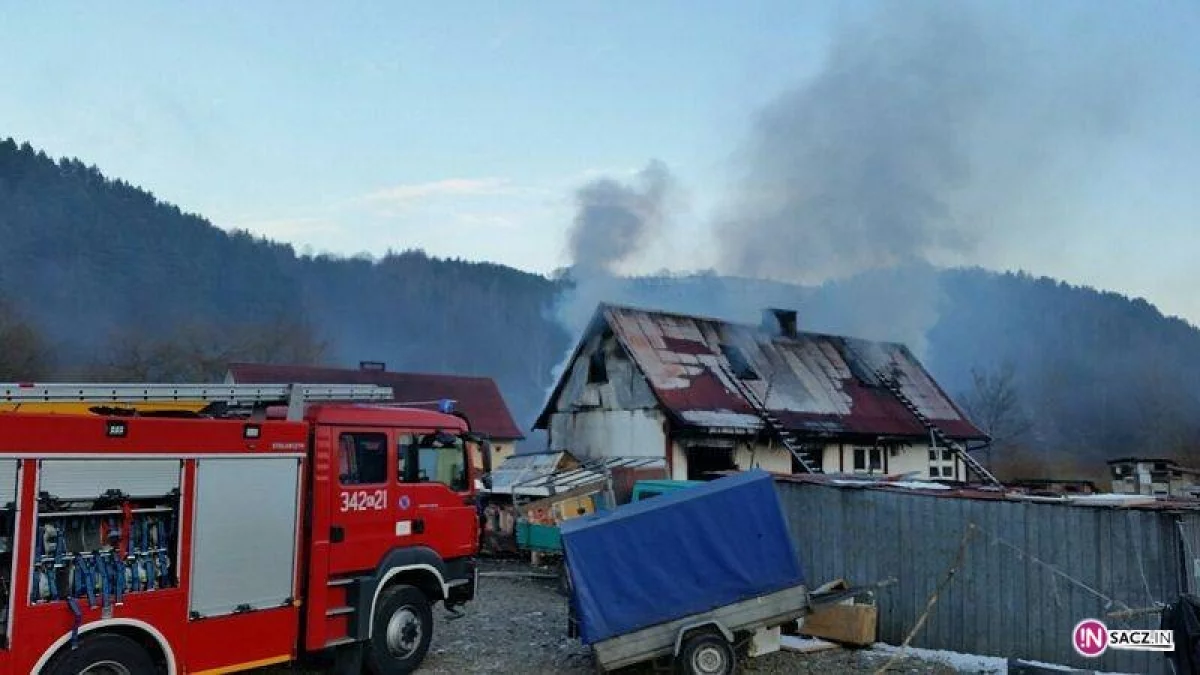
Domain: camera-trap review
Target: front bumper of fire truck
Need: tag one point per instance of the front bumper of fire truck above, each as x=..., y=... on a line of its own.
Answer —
x=463, y=579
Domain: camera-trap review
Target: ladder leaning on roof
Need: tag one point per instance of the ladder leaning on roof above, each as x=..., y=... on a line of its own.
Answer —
x=229, y=395
x=935, y=431
x=798, y=449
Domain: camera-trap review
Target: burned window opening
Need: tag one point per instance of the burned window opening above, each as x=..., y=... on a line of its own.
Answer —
x=597, y=367
x=738, y=363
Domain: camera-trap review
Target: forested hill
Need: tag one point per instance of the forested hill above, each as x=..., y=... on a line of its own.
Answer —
x=115, y=277
x=100, y=279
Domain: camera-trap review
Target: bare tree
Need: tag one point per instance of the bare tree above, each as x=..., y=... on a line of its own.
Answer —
x=24, y=354
x=202, y=352
x=994, y=404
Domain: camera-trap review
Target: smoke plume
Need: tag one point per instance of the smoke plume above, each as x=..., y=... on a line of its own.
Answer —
x=850, y=171
x=934, y=132
x=615, y=220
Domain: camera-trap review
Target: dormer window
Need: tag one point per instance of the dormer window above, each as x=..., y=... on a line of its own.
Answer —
x=738, y=362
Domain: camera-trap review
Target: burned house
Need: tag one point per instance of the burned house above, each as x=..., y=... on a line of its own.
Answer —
x=649, y=383
x=1153, y=477
x=476, y=398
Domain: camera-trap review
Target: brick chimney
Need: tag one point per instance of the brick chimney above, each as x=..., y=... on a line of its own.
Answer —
x=779, y=322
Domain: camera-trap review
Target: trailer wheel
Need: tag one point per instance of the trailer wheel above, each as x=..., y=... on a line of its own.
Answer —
x=102, y=654
x=403, y=628
x=707, y=654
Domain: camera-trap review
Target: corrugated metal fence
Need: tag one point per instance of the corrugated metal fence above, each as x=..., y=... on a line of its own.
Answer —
x=1030, y=571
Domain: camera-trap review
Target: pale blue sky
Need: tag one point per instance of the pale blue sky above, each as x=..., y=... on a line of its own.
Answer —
x=463, y=127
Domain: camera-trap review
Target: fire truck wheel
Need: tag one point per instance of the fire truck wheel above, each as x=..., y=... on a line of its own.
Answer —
x=403, y=628
x=103, y=654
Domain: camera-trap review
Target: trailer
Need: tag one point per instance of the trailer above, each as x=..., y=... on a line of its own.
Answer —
x=704, y=642
x=148, y=528
x=689, y=575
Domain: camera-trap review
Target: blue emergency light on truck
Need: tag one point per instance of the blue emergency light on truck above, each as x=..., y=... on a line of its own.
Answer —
x=679, y=554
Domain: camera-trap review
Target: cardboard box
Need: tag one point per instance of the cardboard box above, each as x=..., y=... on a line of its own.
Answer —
x=847, y=624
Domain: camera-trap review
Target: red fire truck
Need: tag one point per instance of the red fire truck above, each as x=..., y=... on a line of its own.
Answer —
x=270, y=524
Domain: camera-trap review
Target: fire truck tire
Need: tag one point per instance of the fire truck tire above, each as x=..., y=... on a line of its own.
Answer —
x=102, y=653
x=403, y=628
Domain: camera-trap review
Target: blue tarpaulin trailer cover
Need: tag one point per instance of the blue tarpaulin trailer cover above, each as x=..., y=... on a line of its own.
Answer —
x=678, y=554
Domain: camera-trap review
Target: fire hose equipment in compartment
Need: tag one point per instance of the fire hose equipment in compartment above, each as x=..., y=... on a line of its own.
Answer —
x=100, y=541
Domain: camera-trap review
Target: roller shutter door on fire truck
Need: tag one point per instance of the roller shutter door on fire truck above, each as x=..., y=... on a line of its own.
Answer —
x=244, y=547
x=89, y=478
x=8, y=482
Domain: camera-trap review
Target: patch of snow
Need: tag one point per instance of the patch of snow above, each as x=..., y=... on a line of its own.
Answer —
x=722, y=418
x=919, y=485
x=964, y=663
x=1111, y=498
x=1065, y=669
x=971, y=663
x=805, y=645
x=882, y=482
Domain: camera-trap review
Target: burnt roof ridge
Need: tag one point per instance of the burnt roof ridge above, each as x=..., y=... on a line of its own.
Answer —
x=754, y=328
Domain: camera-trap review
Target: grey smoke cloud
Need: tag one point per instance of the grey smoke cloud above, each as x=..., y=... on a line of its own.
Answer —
x=853, y=170
x=936, y=128
x=933, y=132
x=616, y=220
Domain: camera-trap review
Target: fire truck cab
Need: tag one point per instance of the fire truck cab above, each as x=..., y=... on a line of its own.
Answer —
x=235, y=536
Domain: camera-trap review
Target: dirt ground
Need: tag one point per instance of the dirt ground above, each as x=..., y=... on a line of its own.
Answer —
x=519, y=625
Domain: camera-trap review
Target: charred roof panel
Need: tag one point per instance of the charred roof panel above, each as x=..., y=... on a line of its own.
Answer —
x=814, y=383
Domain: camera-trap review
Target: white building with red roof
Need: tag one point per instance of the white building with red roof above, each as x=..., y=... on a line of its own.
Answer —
x=649, y=383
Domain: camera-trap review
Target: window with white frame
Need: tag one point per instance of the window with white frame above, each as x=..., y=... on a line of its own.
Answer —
x=868, y=460
x=941, y=463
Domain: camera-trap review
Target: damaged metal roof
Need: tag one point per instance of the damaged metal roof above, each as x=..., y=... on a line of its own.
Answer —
x=549, y=474
x=816, y=384
x=595, y=473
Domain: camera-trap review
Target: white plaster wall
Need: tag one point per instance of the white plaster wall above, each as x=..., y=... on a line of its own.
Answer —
x=913, y=459
x=910, y=459
x=830, y=459
x=595, y=434
x=774, y=459
x=678, y=463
